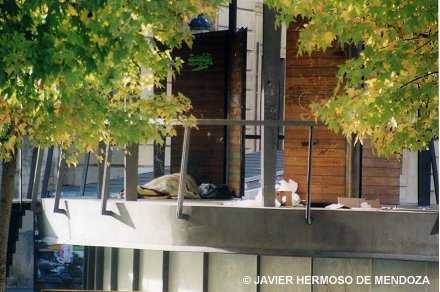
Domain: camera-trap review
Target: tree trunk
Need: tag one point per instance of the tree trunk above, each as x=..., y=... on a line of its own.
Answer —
x=6, y=197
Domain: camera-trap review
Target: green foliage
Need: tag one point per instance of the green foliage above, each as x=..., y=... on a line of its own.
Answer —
x=70, y=71
x=389, y=92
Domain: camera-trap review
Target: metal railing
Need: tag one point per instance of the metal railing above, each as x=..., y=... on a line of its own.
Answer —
x=268, y=123
x=103, y=192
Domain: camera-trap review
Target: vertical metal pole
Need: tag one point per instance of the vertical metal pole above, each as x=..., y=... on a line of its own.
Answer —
x=32, y=173
x=183, y=166
x=85, y=170
x=131, y=162
x=20, y=179
x=37, y=176
x=60, y=178
x=105, y=181
x=309, y=176
x=101, y=150
x=434, y=168
x=47, y=172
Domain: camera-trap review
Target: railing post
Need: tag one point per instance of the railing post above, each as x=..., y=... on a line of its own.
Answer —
x=47, y=170
x=32, y=172
x=105, y=181
x=309, y=176
x=37, y=176
x=183, y=167
x=85, y=170
x=60, y=178
x=434, y=168
x=131, y=161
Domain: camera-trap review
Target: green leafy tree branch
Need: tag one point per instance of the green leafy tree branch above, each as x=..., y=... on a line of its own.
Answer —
x=389, y=92
x=71, y=74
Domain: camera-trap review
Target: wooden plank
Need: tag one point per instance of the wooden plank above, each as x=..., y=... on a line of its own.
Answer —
x=380, y=172
x=302, y=89
x=380, y=181
x=236, y=102
x=293, y=171
x=330, y=180
x=294, y=62
x=379, y=191
x=314, y=72
x=317, y=153
x=379, y=163
x=311, y=81
x=317, y=162
x=318, y=144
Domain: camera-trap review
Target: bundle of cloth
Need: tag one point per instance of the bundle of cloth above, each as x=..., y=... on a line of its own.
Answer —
x=167, y=186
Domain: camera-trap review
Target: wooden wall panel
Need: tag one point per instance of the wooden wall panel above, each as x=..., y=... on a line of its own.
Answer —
x=206, y=89
x=309, y=79
x=380, y=177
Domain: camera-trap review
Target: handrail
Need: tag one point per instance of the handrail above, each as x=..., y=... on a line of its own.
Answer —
x=105, y=181
x=268, y=123
x=223, y=122
x=183, y=167
x=60, y=178
x=184, y=162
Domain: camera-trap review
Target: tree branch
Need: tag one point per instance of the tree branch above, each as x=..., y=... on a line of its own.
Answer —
x=417, y=78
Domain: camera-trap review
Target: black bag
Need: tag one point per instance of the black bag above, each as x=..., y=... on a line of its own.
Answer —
x=211, y=191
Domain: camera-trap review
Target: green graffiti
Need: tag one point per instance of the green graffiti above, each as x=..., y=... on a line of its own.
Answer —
x=200, y=62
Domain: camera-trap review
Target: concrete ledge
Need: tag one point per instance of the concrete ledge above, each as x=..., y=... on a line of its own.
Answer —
x=210, y=227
